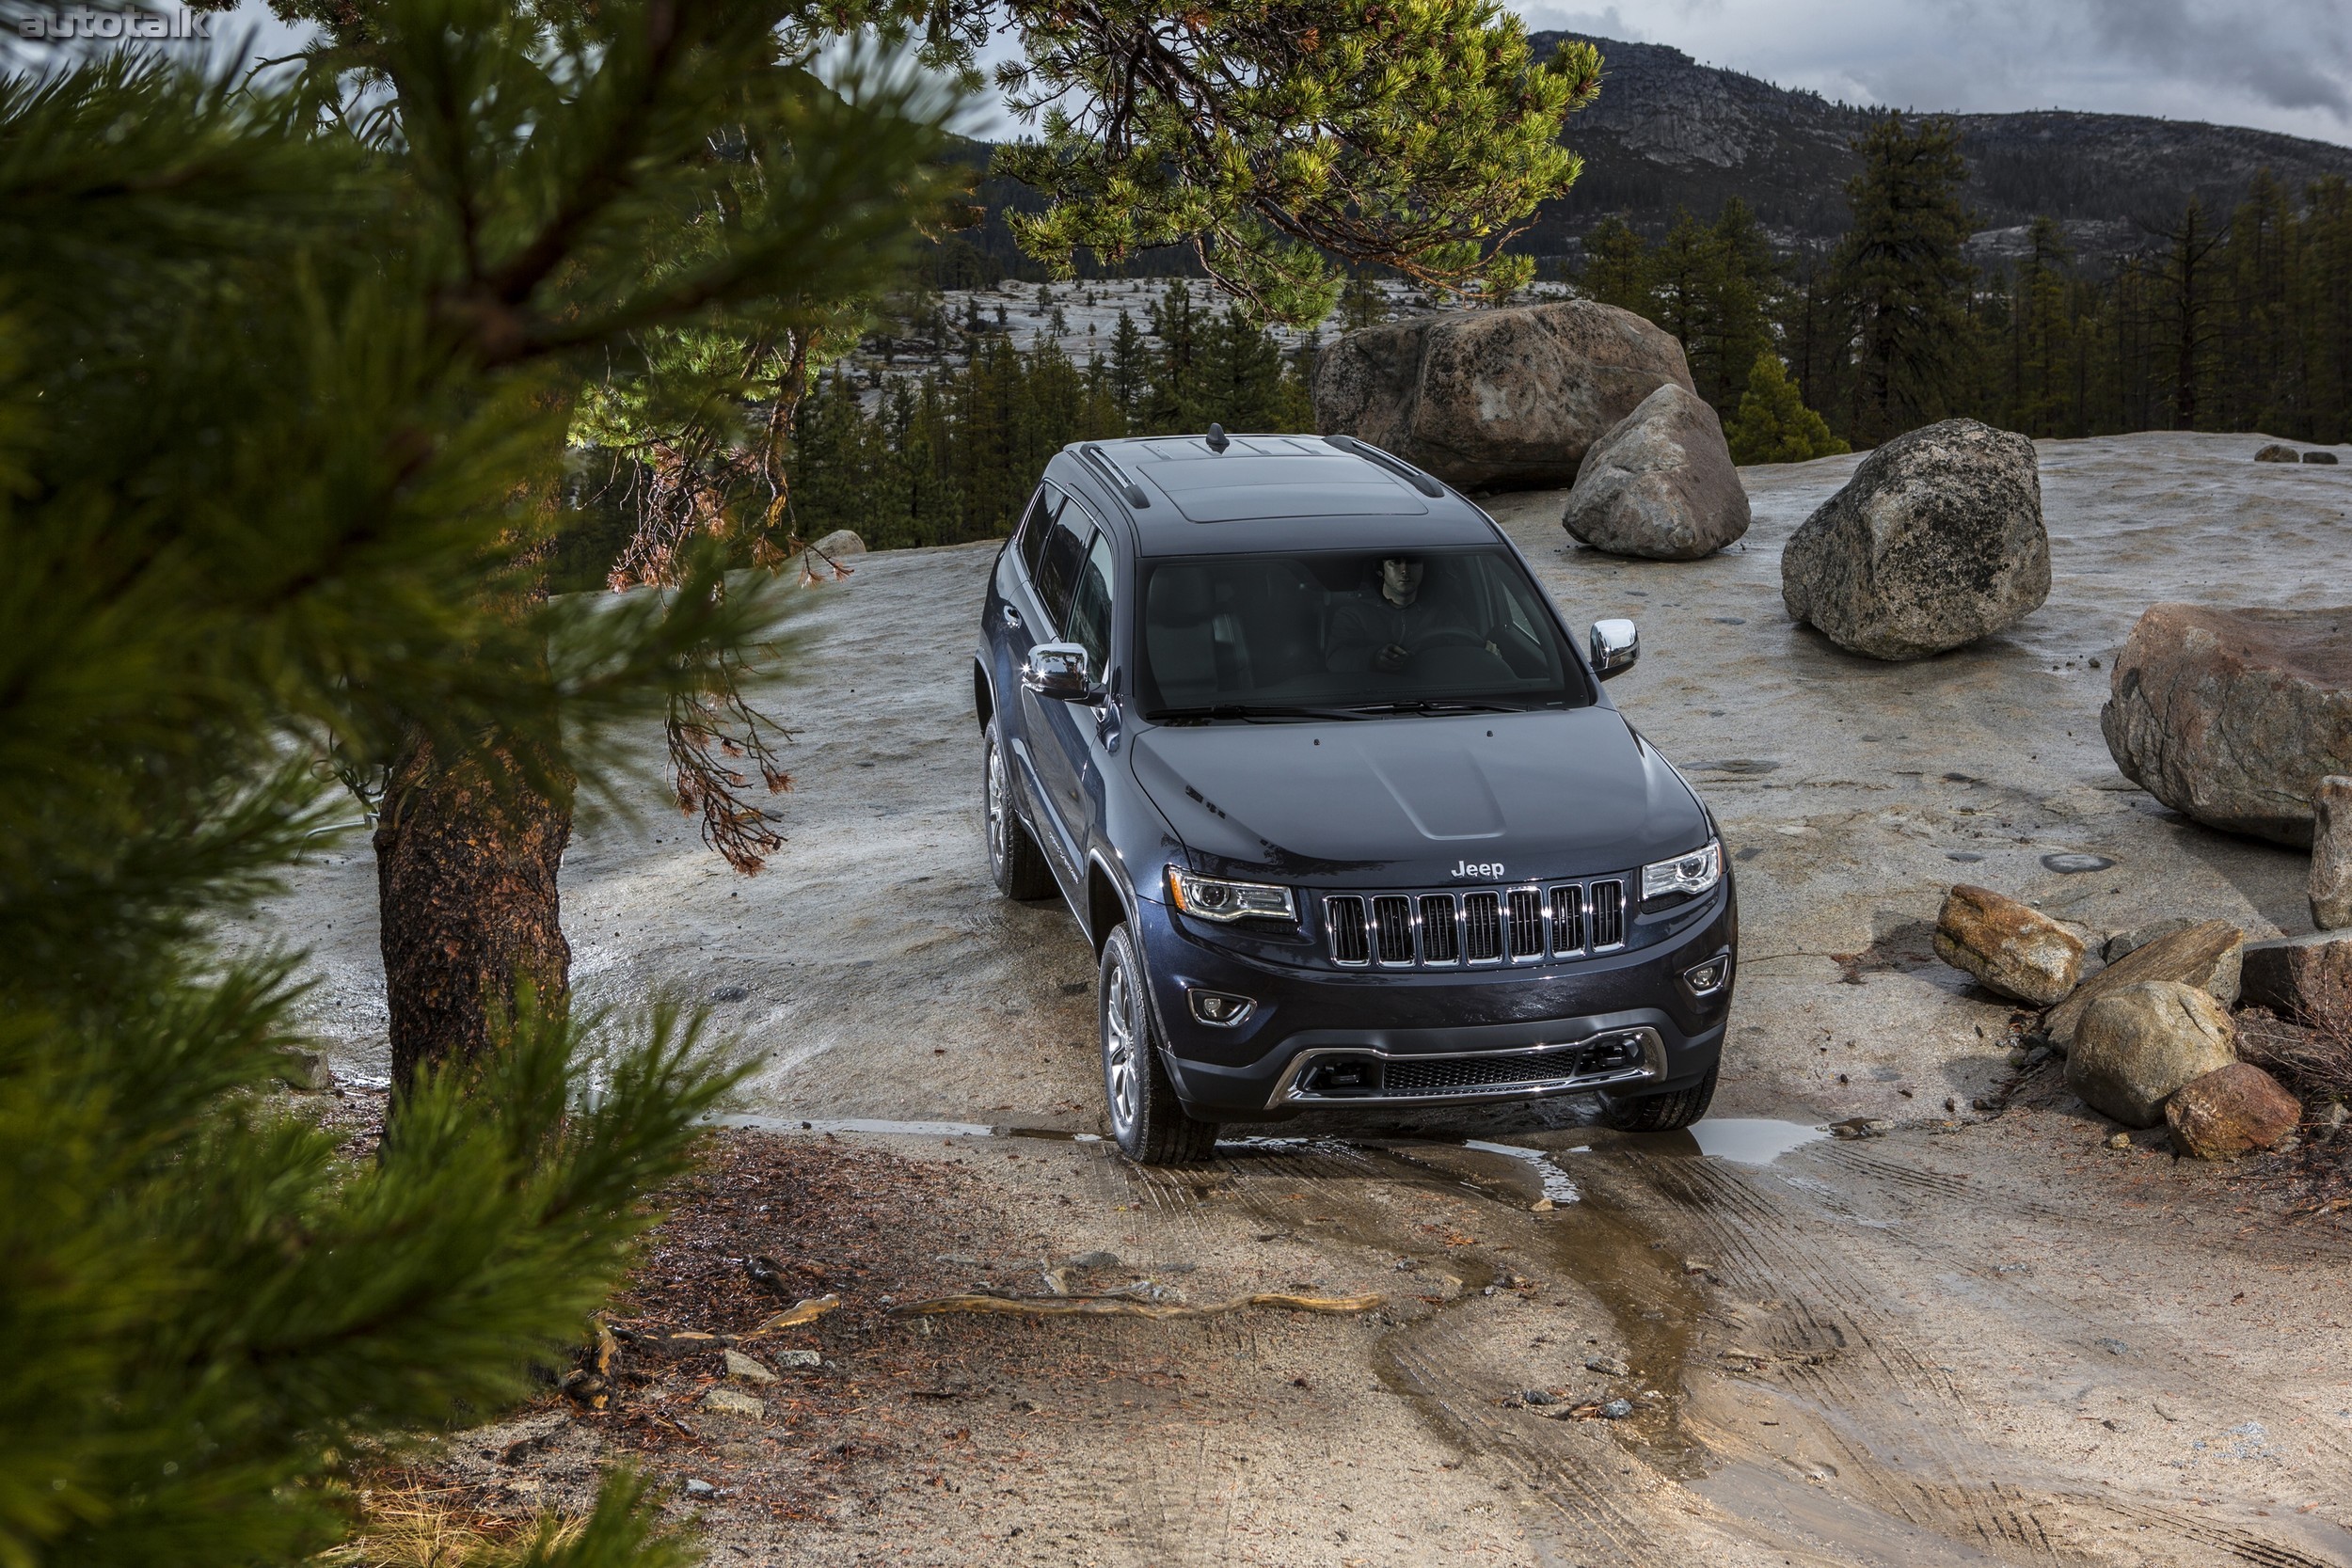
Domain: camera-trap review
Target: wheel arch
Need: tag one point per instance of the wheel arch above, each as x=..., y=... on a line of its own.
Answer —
x=1106, y=902
x=983, y=694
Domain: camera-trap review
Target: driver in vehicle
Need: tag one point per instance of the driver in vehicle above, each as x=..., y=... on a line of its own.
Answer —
x=1383, y=630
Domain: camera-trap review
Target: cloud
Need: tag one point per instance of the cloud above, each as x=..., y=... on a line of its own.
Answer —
x=2283, y=65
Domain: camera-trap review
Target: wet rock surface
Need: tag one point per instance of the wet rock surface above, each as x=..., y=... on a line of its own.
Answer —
x=1510, y=399
x=2014, y=951
x=2234, y=716
x=1660, y=484
x=2138, y=1044
x=2230, y=1110
x=2207, y=955
x=1936, y=541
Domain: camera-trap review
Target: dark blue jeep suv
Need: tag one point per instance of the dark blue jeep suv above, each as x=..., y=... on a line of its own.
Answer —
x=1337, y=798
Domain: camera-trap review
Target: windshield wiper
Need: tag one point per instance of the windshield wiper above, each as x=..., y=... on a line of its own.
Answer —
x=1446, y=704
x=1251, y=710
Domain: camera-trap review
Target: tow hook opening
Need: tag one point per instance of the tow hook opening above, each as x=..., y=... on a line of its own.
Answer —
x=1345, y=1076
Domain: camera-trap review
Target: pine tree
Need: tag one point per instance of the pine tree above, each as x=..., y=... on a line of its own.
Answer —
x=217, y=1306
x=1772, y=425
x=1902, y=272
x=1616, y=267
x=1130, y=367
x=1361, y=303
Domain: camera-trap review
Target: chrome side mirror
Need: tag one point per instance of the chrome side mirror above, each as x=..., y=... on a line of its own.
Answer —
x=1058, y=670
x=1615, y=645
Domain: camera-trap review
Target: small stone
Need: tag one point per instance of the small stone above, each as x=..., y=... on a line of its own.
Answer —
x=725, y=1401
x=1617, y=1410
x=700, y=1489
x=2230, y=1110
x=2137, y=1045
x=743, y=1369
x=729, y=993
x=2121, y=1140
x=1538, y=1396
x=2328, y=458
x=2113, y=1347
x=1861, y=1127
x=2331, y=853
x=2014, y=951
x=2277, y=452
x=799, y=1360
x=300, y=1068
x=1095, y=1261
x=1607, y=1366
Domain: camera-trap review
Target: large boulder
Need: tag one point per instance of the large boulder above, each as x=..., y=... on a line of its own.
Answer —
x=2139, y=1045
x=1504, y=399
x=2331, y=853
x=2306, y=978
x=2276, y=453
x=2234, y=716
x=1936, y=541
x=2229, y=1111
x=2206, y=955
x=2016, y=950
x=1660, y=484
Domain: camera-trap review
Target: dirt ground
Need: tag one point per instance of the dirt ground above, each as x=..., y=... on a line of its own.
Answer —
x=1985, y=1337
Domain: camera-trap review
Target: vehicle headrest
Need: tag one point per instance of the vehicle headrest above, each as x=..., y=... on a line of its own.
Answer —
x=1181, y=596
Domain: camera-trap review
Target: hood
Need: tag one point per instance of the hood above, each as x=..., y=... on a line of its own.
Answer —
x=1405, y=801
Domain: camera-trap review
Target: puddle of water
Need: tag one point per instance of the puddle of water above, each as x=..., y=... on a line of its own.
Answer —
x=1751, y=1140
x=1556, y=1184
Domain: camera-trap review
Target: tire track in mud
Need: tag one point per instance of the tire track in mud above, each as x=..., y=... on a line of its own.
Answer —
x=1839, y=1342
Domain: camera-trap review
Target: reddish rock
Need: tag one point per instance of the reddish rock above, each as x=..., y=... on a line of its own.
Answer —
x=2304, y=978
x=2234, y=716
x=2012, y=949
x=2230, y=1110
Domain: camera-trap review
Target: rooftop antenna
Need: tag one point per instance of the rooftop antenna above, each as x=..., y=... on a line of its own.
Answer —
x=1216, y=438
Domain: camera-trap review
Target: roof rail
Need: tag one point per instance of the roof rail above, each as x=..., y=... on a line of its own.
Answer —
x=1128, y=489
x=1396, y=465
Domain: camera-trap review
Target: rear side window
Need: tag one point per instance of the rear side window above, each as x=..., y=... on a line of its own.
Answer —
x=1056, y=574
x=1036, y=525
x=1090, y=607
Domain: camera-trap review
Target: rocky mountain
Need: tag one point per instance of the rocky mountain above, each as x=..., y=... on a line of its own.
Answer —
x=1668, y=133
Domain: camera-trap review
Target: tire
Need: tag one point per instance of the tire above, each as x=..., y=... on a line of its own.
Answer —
x=1661, y=1113
x=1015, y=864
x=1148, y=1121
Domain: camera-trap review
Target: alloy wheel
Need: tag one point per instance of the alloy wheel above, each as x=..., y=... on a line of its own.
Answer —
x=1122, y=1068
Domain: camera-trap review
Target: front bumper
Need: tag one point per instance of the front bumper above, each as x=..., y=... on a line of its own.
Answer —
x=1324, y=1039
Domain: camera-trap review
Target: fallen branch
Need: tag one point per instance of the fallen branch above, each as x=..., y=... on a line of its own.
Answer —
x=1127, y=1306
x=793, y=1317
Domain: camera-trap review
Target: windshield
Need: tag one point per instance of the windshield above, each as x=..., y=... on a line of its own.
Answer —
x=1332, y=631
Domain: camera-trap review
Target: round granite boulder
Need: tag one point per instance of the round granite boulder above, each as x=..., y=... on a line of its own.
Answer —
x=1504, y=399
x=2232, y=717
x=1660, y=484
x=1935, y=542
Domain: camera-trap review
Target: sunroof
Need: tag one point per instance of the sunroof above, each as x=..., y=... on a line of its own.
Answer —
x=1245, y=483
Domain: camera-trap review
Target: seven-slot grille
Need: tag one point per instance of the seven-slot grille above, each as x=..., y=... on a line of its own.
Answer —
x=1449, y=930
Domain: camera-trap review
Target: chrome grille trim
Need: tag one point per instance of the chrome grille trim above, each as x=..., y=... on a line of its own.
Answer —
x=1476, y=928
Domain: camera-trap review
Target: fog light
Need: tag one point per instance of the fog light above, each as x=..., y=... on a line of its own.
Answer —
x=1219, y=1008
x=1708, y=978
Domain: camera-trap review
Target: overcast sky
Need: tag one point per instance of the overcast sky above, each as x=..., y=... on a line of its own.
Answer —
x=2284, y=64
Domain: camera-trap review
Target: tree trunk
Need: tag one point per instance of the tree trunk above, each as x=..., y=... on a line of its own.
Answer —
x=466, y=856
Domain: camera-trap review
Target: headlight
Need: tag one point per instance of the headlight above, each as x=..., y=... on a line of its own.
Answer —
x=1214, y=899
x=1690, y=874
